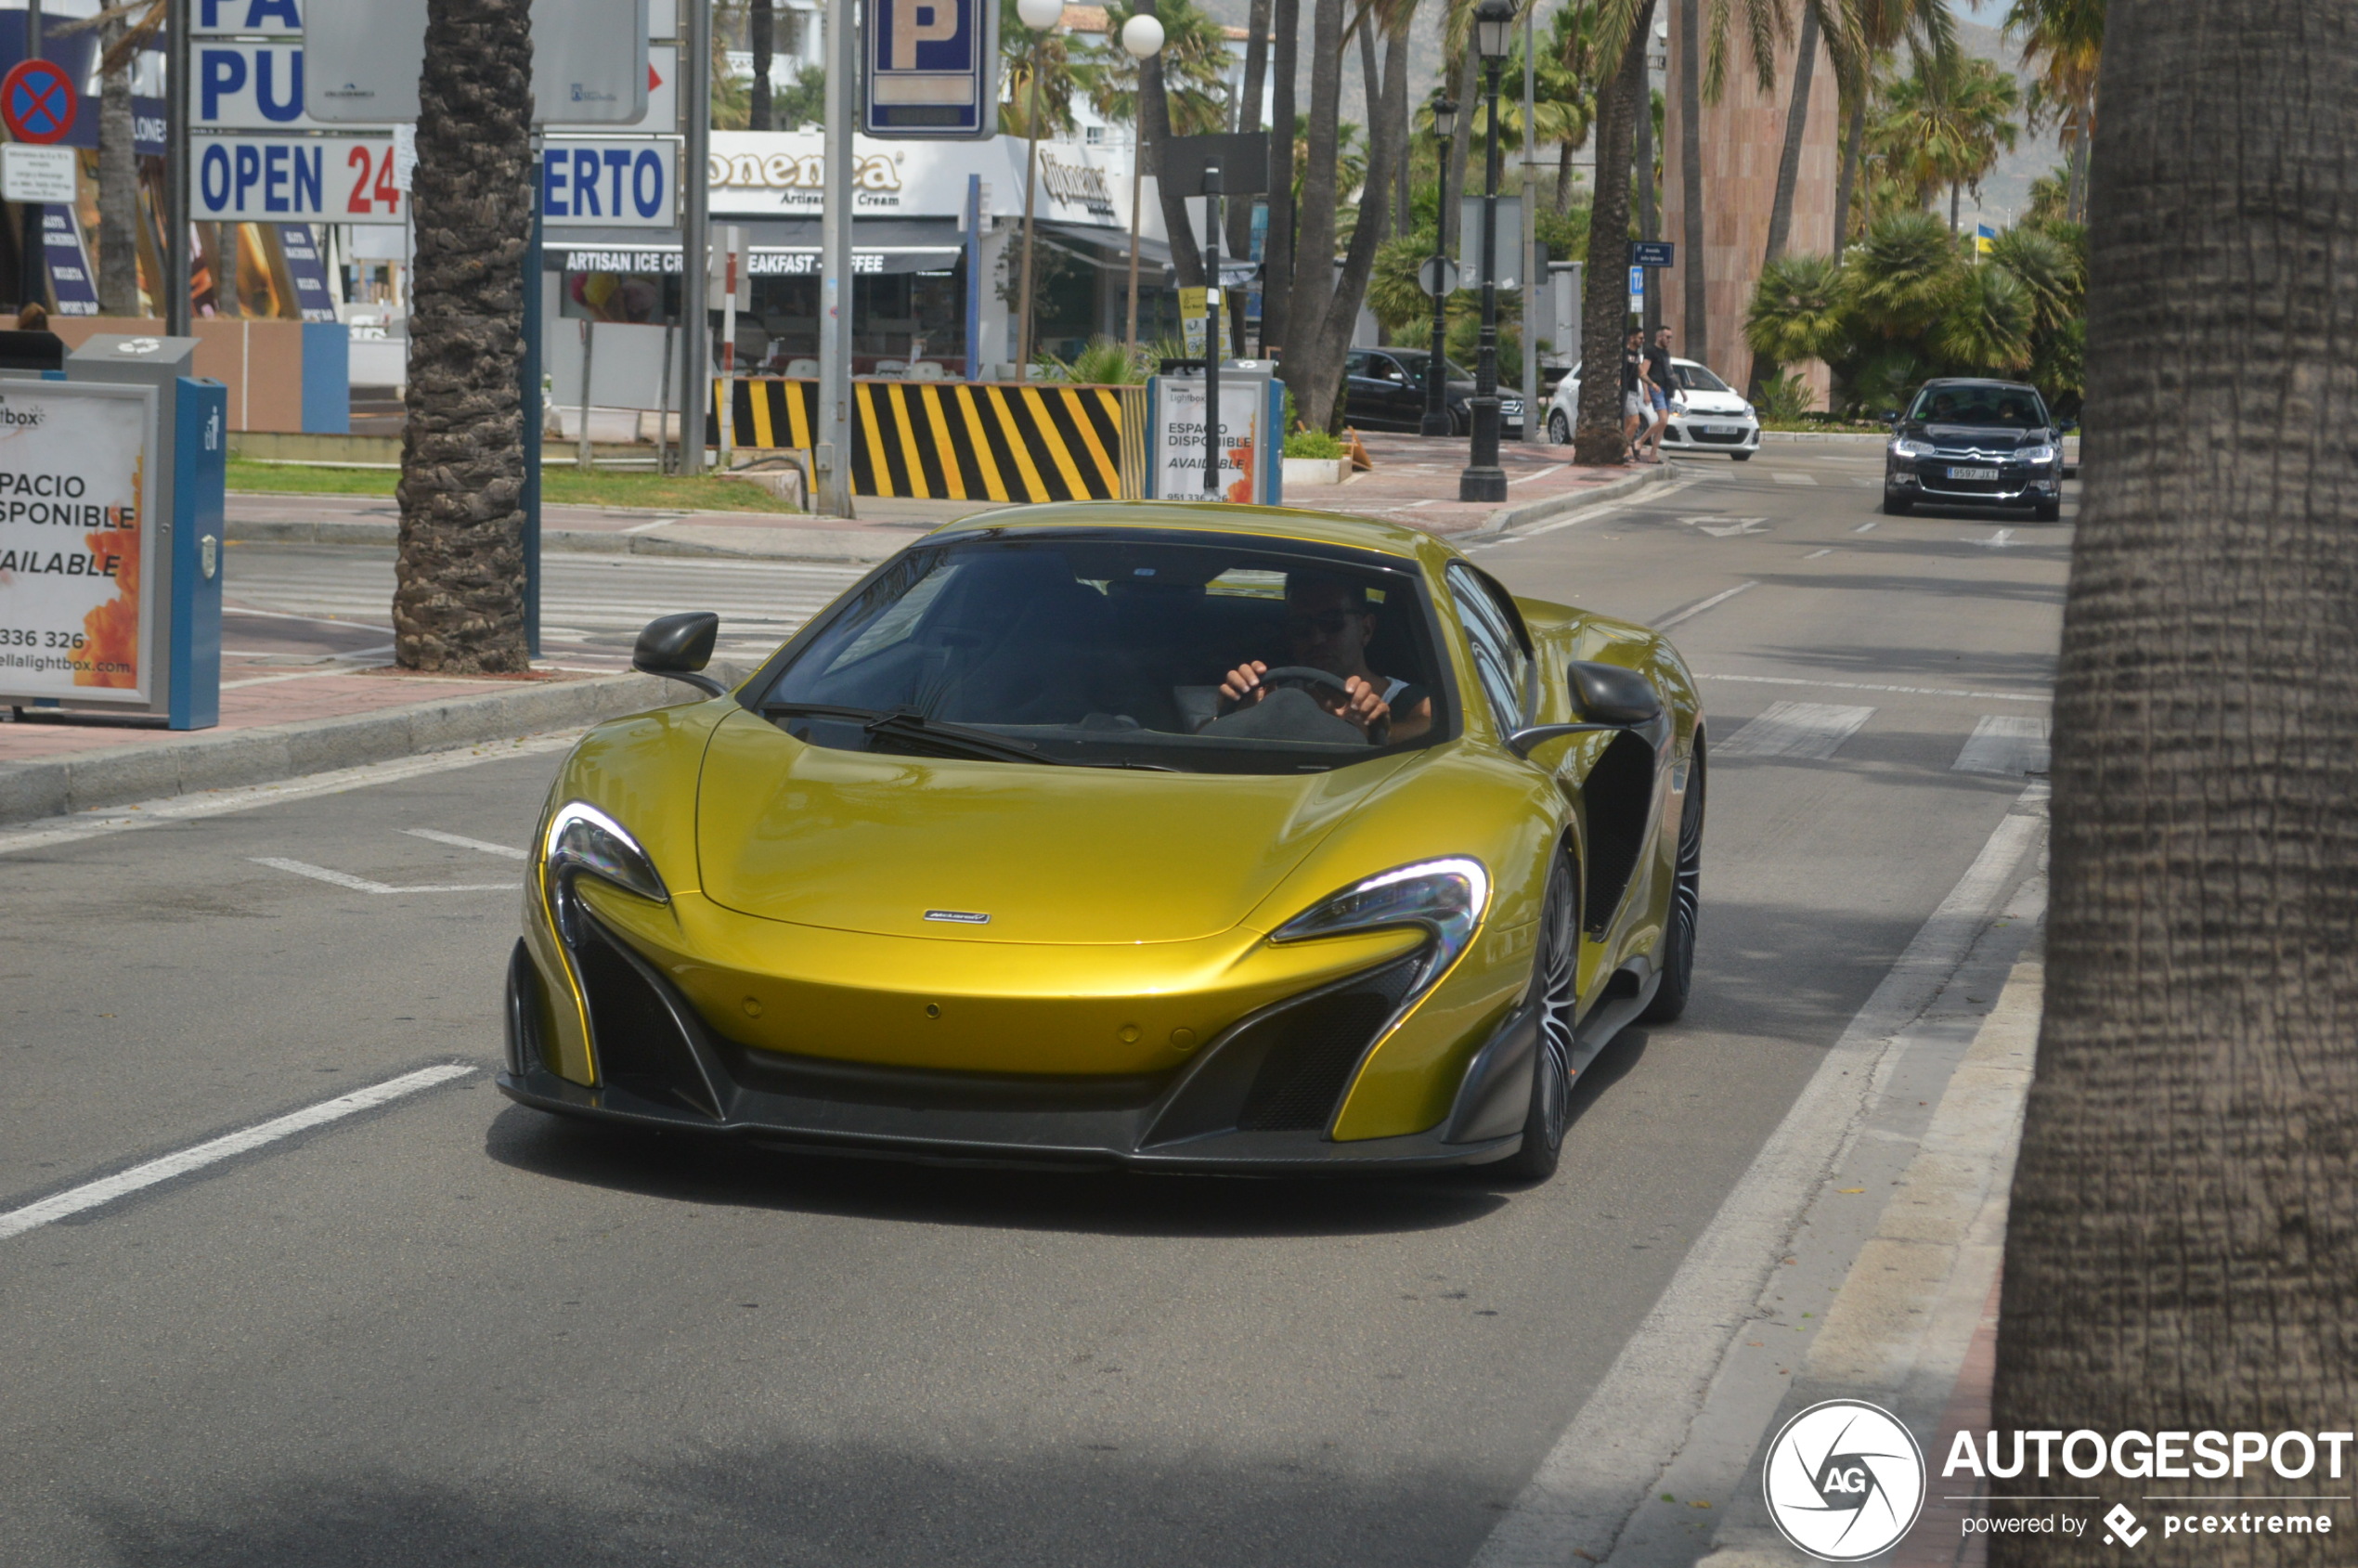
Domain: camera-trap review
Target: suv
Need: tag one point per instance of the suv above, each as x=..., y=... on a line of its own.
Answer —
x=1975, y=443
x=1386, y=391
x=1714, y=417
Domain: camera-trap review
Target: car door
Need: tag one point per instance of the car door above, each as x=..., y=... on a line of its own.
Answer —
x=1366, y=397
x=1404, y=399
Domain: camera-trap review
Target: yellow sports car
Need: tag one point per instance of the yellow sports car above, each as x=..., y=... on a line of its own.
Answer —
x=1165, y=835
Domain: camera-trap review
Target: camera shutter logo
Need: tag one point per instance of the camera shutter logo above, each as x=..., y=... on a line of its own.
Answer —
x=1844, y=1480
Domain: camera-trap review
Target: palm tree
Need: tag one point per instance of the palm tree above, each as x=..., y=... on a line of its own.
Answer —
x=2062, y=42
x=1833, y=22
x=1194, y=63
x=458, y=603
x=2181, y=1251
x=124, y=30
x=1928, y=27
x=1945, y=123
x=760, y=32
x=1566, y=72
x=1623, y=29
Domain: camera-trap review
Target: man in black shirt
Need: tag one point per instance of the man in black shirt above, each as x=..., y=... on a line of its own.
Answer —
x=1665, y=382
x=1633, y=402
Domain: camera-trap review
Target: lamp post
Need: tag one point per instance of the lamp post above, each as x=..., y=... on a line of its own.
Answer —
x=1041, y=16
x=1142, y=36
x=1436, y=420
x=1483, y=480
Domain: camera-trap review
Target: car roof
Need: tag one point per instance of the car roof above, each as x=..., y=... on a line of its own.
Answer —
x=1212, y=517
x=1978, y=381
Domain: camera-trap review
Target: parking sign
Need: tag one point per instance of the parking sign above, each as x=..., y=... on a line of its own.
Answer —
x=932, y=69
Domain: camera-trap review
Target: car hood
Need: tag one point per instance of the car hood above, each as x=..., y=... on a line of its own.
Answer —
x=865, y=841
x=1981, y=437
x=1714, y=403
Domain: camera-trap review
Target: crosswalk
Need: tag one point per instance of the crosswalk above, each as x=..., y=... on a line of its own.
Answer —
x=2002, y=745
x=592, y=606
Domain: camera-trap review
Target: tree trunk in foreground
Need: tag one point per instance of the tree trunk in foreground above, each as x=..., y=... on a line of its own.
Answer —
x=1696, y=341
x=760, y=24
x=2183, y=1250
x=1804, y=71
x=1604, y=294
x=457, y=604
x=1277, y=249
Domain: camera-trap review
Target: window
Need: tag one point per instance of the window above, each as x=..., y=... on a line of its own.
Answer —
x=1499, y=661
x=1694, y=377
x=1980, y=407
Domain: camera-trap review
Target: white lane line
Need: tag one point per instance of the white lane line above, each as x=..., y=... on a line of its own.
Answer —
x=1540, y=474
x=1815, y=554
x=1653, y=495
x=1866, y=527
x=362, y=883
x=2005, y=743
x=2003, y=539
x=1642, y=1414
x=1692, y=611
x=459, y=840
x=1805, y=732
x=1787, y=476
x=181, y=808
x=1736, y=526
x=90, y=1195
x=1867, y=686
x=649, y=528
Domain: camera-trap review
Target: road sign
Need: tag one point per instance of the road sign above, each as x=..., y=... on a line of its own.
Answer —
x=1653, y=252
x=932, y=70
x=296, y=179
x=37, y=102
x=215, y=16
x=1507, y=270
x=1446, y=280
x=249, y=87
x=1637, y=287
x=611, y=184
x=589, y=61
x=38, y=173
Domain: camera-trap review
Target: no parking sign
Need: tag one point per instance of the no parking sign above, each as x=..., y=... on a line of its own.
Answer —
x=38, y=102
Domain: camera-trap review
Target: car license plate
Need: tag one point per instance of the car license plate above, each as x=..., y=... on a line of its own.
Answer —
x=1723, y=429
x=1973, y=474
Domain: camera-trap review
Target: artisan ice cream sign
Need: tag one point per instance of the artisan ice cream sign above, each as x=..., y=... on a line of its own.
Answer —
x=75, y=517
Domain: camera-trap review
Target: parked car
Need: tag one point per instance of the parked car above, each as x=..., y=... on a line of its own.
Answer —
x=1969, y=442
x=1386, y=391
x=1709, y=415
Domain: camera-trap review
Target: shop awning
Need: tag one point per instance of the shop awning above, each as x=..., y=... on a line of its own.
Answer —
x=779, y=247
x=1107, y=247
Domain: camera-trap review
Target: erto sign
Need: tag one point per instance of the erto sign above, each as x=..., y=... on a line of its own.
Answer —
x=610, y=184
x=932, y=69
x=77, y=488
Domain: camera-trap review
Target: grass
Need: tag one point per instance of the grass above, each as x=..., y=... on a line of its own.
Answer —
x=558, y=486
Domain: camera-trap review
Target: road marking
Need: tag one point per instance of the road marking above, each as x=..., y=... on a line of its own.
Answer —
x=90, y=1195
x=1692, y=611
x=362, y=883
x=298, y=675
x=1999, y=541
x=182, y=808
x=2004, y=744
x=461, y=841
x=1866, y=482
x=1787, y=476
x=1815, y=554
x=1866, y=527
x=1867, y=686
x=1805, y=732
x=1643, y=1413
x=1540, y=474
x=647, y=527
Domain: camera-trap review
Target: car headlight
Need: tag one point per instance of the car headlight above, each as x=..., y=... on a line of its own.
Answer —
x=582, y=838
x=2036, y=455
x=1748, y=413
x=1445, y=897
x=1901, y=447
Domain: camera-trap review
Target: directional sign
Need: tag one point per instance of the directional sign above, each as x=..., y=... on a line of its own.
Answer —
x=1653, y=252
x=37, y=102
x=932, y=69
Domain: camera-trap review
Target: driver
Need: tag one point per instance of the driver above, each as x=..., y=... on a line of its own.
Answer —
x=1328, y=624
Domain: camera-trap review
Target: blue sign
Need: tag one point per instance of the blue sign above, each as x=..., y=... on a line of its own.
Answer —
x=931, y=69
x=69, y=264
x=1653, y=252
x=1637, y=282
x=306, y=271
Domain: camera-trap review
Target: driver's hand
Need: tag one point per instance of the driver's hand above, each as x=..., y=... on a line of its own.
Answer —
x=1242, y=687
x=1362, y=706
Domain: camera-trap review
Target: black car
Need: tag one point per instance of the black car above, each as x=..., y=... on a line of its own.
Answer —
x=1387, y=392
x=1975, y=443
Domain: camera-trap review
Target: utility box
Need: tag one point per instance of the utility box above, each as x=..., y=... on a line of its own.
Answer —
x=111, y=484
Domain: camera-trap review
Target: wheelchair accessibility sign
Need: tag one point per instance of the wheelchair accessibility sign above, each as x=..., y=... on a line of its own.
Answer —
x=932, y=69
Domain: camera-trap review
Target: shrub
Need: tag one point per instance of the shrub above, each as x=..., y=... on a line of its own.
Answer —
x=1314, y=443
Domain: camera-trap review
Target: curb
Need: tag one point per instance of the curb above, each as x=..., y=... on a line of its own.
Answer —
x=1862, y=437
x=846, y=545
x=1511, y=517
x=150, y=771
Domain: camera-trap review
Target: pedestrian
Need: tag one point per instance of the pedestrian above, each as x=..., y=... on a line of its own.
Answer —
x=32, y=346
x=1662, y=381
x=1633, y=393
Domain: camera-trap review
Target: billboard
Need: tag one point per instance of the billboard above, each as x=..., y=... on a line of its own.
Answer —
x=364, y=56
x=77, y=575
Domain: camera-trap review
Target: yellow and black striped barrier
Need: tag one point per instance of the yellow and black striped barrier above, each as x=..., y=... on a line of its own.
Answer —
x=961, y=440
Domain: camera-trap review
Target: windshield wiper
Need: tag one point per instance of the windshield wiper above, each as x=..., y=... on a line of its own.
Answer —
x=912, y=728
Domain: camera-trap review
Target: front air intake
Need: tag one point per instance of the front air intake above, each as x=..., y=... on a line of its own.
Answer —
x=1308, y=1050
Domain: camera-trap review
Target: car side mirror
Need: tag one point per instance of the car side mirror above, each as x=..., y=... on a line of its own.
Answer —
x=678, y=647
x=1609, y=697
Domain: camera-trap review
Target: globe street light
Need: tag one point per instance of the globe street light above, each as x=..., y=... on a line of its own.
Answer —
x=1483, y=480
x=1142, y=36
x=1436, y=420
x=1041, y=16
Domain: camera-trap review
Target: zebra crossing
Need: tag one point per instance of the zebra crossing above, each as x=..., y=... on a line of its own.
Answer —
x=592, y=606
x=2003, y=745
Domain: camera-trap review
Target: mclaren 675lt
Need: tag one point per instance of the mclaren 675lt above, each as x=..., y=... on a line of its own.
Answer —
x=1168, y=836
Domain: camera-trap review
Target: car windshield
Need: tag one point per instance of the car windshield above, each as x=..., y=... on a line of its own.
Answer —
x=1113, y=651
x=1694, y=377
x=1457, y=373
x=1980, y=407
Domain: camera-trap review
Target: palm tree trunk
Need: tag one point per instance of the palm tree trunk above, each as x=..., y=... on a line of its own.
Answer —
x=1563, y=176
x=458, y=603
x=1604, y=302
x=1248, y=107
x=118, y=188
x=2076, y=197
x=1804, y=71
x=1642, y=171
x=1313, y=283
x=2182, y=1251
x=760, y=18
x=1372, y=86
x=1953, y=191
x=1697, y=345
x=1847, y=182
x=1388, y=147
x=1276, y=286
x=228, y=292
x=1154, y=129
x=1460, y=140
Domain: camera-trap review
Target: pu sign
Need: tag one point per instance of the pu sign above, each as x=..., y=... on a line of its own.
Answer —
x=76, y=523
x=932, y=69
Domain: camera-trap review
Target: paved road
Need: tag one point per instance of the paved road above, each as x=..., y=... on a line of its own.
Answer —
x=448, y=1329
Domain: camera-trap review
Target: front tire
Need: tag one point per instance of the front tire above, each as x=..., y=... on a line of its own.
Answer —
x=1559, y=431
x=1895, y=506
x=2050, y=512
x=1686, y=906
x=1555, y=991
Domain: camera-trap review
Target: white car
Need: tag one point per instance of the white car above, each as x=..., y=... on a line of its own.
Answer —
x=1707, y=415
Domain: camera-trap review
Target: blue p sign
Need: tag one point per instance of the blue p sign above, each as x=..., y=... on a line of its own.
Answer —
x=932, y=69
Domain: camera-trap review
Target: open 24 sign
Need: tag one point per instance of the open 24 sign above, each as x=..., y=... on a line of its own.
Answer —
x=296, y=179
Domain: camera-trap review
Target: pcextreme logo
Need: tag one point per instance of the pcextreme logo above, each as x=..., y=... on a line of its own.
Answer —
x=1844, y=1480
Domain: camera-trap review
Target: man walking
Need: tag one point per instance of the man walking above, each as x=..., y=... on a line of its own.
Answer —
x=1633, y=402
x=1662, y=381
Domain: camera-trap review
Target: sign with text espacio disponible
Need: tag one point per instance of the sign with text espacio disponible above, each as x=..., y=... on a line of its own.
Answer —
x=1247, y=471
x=931, y=68
x=77, y=569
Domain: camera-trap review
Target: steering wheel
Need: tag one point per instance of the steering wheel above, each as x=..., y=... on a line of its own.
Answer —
x=1307, y=676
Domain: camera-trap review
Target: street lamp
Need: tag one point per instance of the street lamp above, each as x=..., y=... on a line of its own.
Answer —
x=1142, y=36
x=1483, y=480
x=1436, y=420
x=1041, y=16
